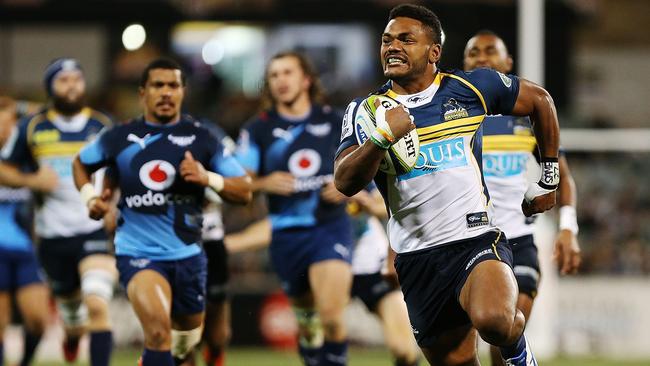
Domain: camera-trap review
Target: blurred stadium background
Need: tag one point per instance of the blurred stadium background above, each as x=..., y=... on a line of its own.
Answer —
x=592, y=55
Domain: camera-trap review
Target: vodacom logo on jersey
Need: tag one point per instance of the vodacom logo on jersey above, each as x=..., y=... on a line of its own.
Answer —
x=157, y=174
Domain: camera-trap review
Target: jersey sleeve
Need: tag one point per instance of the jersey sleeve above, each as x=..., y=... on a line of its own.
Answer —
x=499, y=91
x=98, y=152
x=248, y=152
x=347, y=127
x=16, y=150
x=223, y=161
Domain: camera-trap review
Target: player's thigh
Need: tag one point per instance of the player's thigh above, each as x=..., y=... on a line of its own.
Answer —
x=33, y=303
x=100, y=261
x=151, y=296
x=330, y=282
x=391, y=309
x=490, y=288
x=456, y=347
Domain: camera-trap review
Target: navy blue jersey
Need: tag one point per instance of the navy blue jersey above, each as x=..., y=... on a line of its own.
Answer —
x=443, y=198
x=160, y=214
x=305, y=148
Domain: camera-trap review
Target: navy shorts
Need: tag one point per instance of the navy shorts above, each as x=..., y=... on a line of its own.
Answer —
x=526, y=264
x=60, y=258
x=432, y=279
x=371, y=288
x=294, y=250
x=217, y=283
x=18, y=269
x=187, y=278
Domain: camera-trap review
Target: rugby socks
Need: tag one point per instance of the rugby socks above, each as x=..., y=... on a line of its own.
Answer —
x=310, y=355
x=2, y=354
x=213, y=356
x=335, y=354
x=101, y=346
x=518, y=354
x=31, y=342
x=157, y=358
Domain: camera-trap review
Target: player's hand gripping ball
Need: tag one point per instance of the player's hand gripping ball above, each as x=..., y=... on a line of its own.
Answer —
x=388, y=115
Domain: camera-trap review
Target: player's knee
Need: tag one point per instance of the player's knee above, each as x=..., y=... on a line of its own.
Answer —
x=98, y=282
x=73, y=312
x=36, y=325
x=158, y=336
x=184, y=341
x=494, y=325
x=310, y=328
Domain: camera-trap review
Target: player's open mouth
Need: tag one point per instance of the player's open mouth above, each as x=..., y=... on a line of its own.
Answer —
x=395, y=61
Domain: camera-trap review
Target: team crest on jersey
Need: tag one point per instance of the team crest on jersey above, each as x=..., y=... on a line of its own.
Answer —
x=304, y=163
x=181, y=140
x=453, y=110
x=157, y=175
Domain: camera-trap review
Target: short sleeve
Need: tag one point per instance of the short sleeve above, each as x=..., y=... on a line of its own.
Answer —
x=16, y=150
x=223, y=161
x=97, y=153
x=499, y=91
x=347, y=127
x=248, y=152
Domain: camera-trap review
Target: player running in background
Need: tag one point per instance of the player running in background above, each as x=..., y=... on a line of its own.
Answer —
x=216, y=334
x=508, y=144
x=454, y=266
x=380, y=296
x=47, y=143
x=289, y=149
x=159, y=161
x=19, y=269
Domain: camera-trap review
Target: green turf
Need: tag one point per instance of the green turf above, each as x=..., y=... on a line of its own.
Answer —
x=358, y=357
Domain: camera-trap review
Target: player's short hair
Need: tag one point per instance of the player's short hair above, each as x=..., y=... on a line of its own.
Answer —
x=486, y=32
x=316, y=92
x=421, y=13
x=161, y=63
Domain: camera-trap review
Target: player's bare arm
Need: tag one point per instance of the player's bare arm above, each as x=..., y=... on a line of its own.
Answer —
x=356, y=166
x=535, y=102
x=278, y=182
x=567, y=250
x=98, y=205
x=231, y=189
x=44, y=180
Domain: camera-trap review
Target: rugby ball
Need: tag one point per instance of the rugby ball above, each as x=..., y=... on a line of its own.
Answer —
x=402, y=156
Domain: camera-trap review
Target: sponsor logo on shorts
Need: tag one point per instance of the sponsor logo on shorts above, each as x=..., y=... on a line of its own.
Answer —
x=157, y=174
x=476, y=257
x=415, y=331
x=139, y=263
x=95, y=245
x=477, y=219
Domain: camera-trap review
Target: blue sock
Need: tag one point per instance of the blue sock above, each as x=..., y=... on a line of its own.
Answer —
x=335, y=353
x=514, y=350
x=101, y=345
x=310, y=356
x=31, y=342
x=157, y=358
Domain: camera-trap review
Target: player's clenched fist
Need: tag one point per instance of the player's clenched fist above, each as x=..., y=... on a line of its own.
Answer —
x=398, y=119
x=193, y=171
x=99, y=206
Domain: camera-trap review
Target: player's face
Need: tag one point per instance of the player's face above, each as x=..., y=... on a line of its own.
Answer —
x=162, y=95
x=287, y=81
x=487, y=51
x=405, y=49
x=68, y=91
